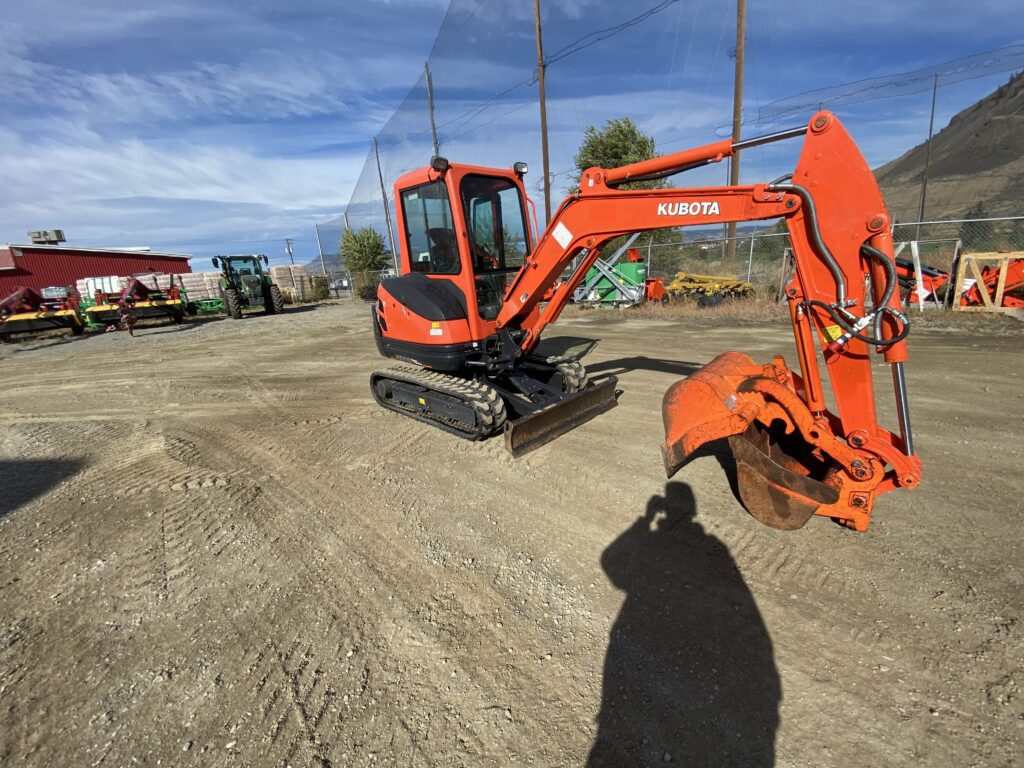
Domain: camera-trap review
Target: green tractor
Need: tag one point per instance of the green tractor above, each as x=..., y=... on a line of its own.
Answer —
x=245, y=285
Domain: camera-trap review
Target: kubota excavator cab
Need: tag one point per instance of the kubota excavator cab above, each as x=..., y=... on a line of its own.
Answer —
x=465, y=233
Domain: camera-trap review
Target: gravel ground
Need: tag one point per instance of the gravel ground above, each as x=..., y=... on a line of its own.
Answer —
x=215, y=549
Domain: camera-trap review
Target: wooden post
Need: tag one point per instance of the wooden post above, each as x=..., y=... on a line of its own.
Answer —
x=737, y=116
x=543, y=116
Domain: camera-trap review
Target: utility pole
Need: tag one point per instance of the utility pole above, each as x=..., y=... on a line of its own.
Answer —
x=927, y=158
x=737, y=115
x=430, y=106
x=288, y=248
x=320, y=248
x=543, y=115
x=387, y=209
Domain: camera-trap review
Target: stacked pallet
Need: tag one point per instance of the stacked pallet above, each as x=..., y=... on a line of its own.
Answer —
x=195, y=286
x=198, y=285
x=303, y=285
x=201, y=285
x=158, y=281
x=294, y=283
x=88, y=286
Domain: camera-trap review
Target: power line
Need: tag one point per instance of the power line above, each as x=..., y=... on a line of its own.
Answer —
x=597, y=36
x=954, y=71
x=581, y=43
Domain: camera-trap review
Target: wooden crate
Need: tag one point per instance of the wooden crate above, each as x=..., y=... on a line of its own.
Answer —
x=969, y=263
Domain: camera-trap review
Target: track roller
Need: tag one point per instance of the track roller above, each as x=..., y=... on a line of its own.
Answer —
x=463, y=407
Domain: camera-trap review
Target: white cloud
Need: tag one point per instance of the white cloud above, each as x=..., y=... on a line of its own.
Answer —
x=134, y=192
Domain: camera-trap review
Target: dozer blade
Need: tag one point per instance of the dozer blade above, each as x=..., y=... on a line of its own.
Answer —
x=771, y=485
x=531, y=432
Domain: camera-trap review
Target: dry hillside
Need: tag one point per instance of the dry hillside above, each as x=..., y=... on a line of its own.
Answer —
x=976, y=158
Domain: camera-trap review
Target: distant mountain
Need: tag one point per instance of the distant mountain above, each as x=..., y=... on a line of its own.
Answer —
x=978, y=157
x=331, y=260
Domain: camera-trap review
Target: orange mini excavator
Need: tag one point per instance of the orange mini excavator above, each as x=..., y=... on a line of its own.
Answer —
x=478, y=287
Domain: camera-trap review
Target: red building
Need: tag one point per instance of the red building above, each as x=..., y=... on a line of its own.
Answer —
x=41, y=266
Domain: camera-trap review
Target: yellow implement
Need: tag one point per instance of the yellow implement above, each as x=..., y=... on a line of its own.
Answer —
x=25, y=311
x=688, y=283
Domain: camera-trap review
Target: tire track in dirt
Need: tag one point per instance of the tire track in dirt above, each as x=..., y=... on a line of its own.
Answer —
x=317, y=575
x=363, y=589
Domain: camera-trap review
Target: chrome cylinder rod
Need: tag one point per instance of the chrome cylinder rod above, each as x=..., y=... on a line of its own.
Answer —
x=899, y=382
x=768, y=138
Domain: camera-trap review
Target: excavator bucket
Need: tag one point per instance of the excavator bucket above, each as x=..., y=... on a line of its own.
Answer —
x=773, y=485
x=531, y=432
x=780, y=480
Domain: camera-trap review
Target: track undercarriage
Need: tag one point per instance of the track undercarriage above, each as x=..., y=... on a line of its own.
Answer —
x=532, y=405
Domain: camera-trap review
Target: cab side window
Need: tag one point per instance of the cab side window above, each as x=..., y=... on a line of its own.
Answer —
x=429, y=230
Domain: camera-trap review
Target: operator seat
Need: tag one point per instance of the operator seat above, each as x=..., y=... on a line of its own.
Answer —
x=444, y=251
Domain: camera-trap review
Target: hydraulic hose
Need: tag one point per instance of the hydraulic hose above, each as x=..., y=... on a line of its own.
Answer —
x=878, y=313
x=816, y=239
x=836, y=311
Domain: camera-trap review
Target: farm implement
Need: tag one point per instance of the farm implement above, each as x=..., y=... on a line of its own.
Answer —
x=121, y=311
x=620, y=281
x=707, y=289
x=26, y=311
x=998, y=285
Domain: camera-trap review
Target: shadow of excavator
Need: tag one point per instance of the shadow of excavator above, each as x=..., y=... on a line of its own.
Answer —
x=689, y=676
x=640, y=363
x=23, y=480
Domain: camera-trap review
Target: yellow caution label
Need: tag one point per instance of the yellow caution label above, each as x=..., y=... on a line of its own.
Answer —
x=435, y=325
x=833, y=332
x=422, y=401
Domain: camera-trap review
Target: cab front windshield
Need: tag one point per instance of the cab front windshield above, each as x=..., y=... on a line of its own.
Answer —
x=497, y=237
x=240, y=267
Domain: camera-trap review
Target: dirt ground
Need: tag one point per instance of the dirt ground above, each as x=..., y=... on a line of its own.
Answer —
x=216, y=550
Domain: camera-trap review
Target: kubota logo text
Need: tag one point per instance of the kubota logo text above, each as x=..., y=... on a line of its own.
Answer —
x=707, y=208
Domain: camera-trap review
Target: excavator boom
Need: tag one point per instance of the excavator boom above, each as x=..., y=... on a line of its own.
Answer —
x=795, y=457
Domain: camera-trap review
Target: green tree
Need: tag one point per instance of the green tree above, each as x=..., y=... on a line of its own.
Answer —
x=621, y=142
x=977, y=236
x=363, y=250
x=363, y=253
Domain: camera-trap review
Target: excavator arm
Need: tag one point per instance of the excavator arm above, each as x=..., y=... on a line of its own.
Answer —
x=795, y=456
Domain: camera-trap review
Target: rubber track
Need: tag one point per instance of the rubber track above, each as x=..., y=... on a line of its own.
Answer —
x=484, y=400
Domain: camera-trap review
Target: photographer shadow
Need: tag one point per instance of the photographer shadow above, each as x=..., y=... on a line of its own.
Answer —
x=689, y=676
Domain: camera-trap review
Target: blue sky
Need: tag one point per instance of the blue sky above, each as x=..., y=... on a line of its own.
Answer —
x=212, y=127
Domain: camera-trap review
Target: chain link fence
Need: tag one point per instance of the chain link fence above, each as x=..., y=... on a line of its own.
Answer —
x=760, y=254
x=937, y=239
x=476, y=101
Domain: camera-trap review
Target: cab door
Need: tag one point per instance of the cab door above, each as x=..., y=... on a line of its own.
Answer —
x=498, y=237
